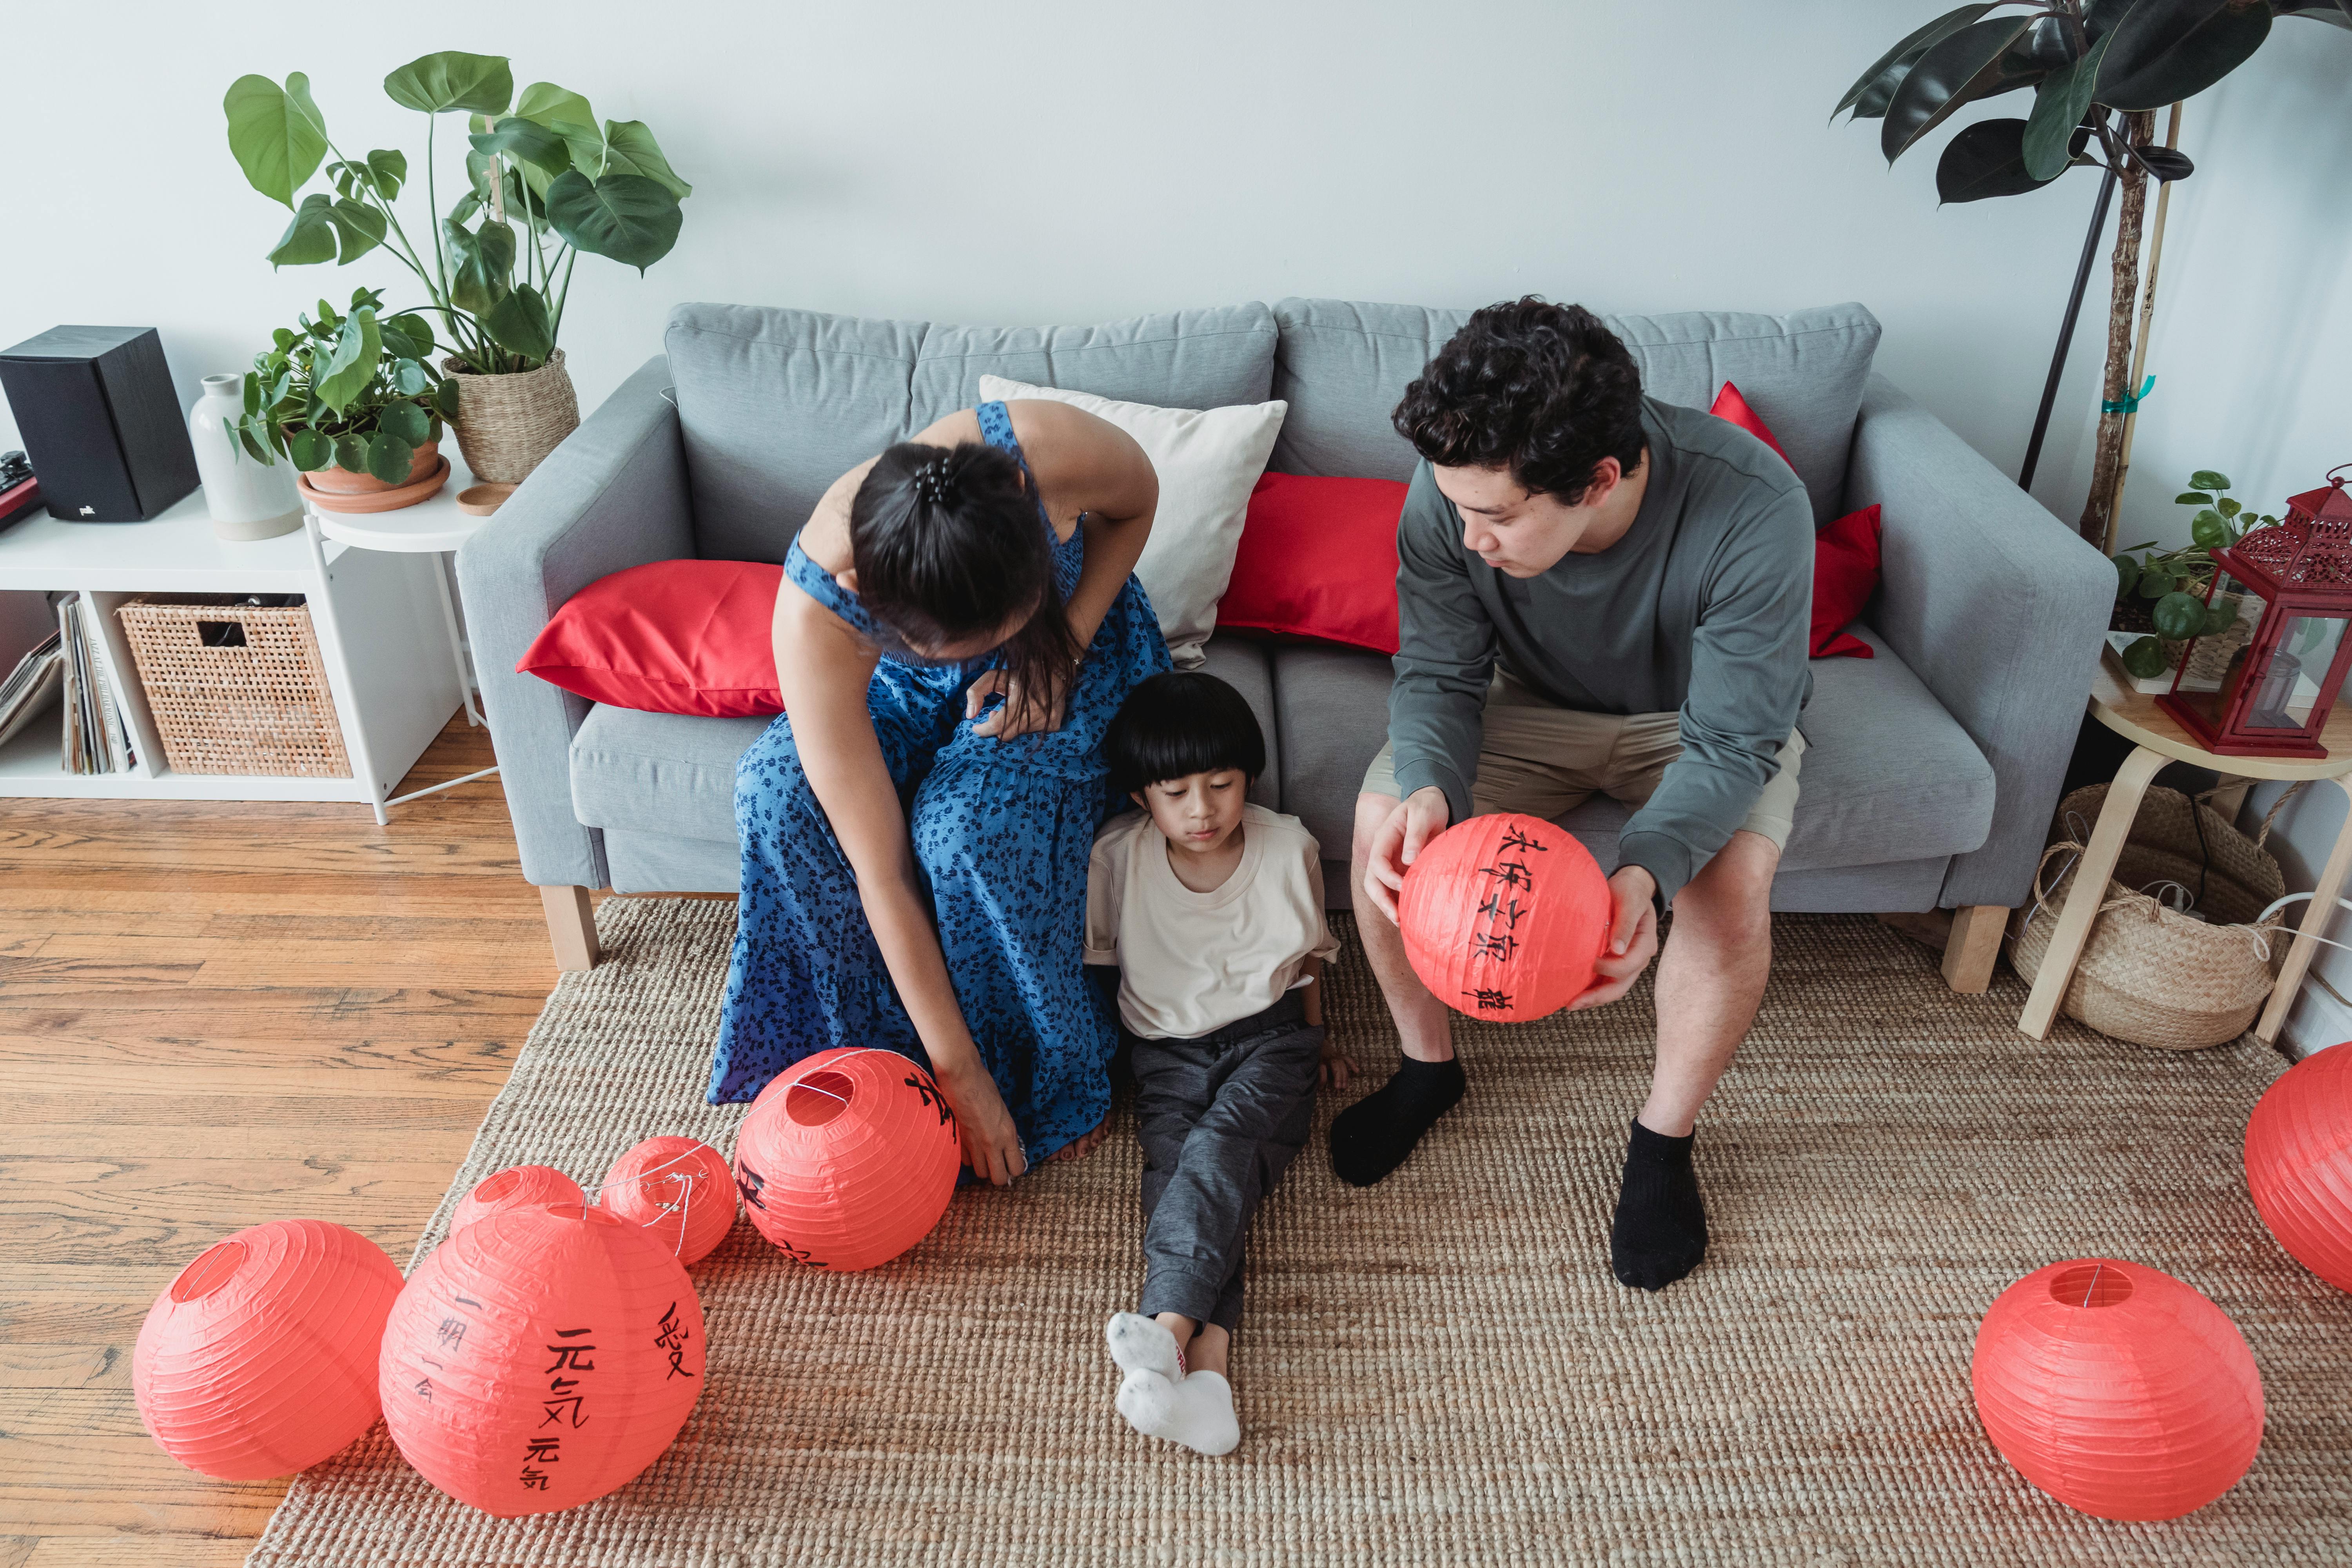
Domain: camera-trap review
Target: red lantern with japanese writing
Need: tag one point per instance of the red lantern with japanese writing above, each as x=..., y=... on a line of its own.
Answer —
x=541, y=1358
x=678, y=1188
x=517, y=1186
x=2299, y=1162
x=1504, y=916
x=259, y=1358
x=848, y=1158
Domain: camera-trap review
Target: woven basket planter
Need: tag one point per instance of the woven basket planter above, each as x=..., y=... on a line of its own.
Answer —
x=507, y=424
x=234, y=688
x=2148, y=973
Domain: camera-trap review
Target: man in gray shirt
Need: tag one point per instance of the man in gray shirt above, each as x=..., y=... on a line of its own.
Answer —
x=1597, y=593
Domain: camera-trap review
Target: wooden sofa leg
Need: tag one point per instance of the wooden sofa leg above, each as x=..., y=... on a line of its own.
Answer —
x=1976, y=943
x=572, y=927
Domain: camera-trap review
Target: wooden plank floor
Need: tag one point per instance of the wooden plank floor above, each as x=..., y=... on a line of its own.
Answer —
x=213, y=1015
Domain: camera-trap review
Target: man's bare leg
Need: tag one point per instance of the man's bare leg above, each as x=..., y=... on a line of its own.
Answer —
x=1711, y=977
x=1371, y=1137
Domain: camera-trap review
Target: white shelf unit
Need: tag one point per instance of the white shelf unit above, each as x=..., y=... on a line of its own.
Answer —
x=378, y=617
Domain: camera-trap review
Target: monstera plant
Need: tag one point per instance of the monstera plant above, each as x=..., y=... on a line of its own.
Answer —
x=2097, y=69
x=544, y=181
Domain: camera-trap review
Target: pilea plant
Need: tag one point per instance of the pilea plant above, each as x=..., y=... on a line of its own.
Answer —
x=2168, y=586
x=541, y=160
x=348, y=390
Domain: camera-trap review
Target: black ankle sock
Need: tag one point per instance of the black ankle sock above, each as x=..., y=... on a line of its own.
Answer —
x=1371, y=1137
x=1661, y=1229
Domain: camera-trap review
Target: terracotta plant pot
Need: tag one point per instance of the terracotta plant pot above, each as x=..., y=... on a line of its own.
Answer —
x=507, y=424
x=338, y=481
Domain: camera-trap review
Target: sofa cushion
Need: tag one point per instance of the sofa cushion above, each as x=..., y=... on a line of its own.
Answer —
x=1888, y=775
x=674, y=772
x=774, y=404
x=1342, y=366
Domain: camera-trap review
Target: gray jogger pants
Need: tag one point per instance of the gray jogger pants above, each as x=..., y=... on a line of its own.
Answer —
x=1221, y=1117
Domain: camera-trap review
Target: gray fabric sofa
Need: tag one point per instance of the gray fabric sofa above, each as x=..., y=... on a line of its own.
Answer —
x=1932, y=768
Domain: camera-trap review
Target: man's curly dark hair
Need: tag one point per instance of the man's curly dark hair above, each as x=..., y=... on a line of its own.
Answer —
x=1543, y=390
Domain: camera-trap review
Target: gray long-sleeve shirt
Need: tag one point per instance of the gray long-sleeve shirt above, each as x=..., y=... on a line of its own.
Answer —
x=1704, y=606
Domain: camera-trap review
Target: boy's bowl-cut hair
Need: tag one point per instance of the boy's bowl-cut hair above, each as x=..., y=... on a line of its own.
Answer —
x=1181, y=723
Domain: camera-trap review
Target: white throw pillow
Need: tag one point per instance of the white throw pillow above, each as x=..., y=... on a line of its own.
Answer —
x=1208, y=461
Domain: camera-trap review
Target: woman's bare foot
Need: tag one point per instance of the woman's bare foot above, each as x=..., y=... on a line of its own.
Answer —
x=1084, y=1144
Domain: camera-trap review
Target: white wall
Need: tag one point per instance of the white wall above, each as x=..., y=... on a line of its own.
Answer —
x=1035, y=161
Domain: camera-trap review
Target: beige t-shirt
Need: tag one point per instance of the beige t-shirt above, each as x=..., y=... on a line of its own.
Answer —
x=1193, y=962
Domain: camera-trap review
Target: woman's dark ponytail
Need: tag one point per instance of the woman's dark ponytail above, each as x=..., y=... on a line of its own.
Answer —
x=949, y=543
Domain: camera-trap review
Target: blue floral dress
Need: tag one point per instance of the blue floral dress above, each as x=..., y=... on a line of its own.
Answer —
x=1001, y=833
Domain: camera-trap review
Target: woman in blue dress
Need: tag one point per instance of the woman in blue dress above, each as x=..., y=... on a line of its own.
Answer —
x=956, y=626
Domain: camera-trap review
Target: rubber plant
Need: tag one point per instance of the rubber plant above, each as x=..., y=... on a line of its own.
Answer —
x=544, y=181
x=351, y=390
x=2098, y=69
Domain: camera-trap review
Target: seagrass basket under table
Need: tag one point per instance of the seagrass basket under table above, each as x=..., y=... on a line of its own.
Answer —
x=2159, y=740
x=235, y=687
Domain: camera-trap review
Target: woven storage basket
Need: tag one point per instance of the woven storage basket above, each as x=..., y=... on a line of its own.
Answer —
x=2148, y=973
x=507, y=424
x=262, y=708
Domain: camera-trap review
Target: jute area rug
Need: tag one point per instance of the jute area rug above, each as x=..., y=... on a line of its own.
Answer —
x=1440, y=1369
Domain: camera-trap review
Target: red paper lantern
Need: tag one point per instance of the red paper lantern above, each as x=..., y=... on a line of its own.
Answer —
x=517, y=1186
x=2117, y=1389
x=680, y=1189
x=259, y=1358
x=2299, y=1162
x=848, y=1159
x=1504, y=916
x=542, y=1358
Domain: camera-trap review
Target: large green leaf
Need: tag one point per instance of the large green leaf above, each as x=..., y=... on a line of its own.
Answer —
x=310, y=238
x=406, y=336
x=630, y=149
x=518, y=323
x=549, y=105
x=525, y=141
x=2179, y=617
x=359, y=228
x=1986, y=159
x=482, y=84
x=480, y=264
x=274, y=133
x=2063, y=98
x=1897, y=61
x=310, y=450
x=2166, y=50
x=628, y=217
x=2146, y=659
x=353, y=364
x=1959, y=70
x=388, y=169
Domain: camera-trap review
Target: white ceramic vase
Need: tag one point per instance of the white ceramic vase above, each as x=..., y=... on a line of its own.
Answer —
x=246, y=500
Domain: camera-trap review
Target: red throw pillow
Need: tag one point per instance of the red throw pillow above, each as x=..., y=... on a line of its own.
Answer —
x=1729, y=405
x=1318, y=560
x=1845, y=554
x=1845, y=574
x=674, y=637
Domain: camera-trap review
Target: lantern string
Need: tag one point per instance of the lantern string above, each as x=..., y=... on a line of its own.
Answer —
x=684, y=1211
x=2093, y=1287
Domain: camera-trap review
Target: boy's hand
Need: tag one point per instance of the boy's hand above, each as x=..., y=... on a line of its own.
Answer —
x=1336, y=1067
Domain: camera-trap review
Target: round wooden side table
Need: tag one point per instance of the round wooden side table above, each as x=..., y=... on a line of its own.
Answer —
x=2158, y=739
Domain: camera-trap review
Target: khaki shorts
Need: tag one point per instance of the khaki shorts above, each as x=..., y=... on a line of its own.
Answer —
x=1546, y=761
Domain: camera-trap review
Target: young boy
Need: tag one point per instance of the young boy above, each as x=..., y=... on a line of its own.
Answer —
x=1213, y=910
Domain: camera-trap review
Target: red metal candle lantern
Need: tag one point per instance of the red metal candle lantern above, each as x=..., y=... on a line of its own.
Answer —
x=2260, y=683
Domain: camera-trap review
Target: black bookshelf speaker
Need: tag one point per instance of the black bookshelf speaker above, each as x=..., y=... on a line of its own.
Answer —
x=105, y=430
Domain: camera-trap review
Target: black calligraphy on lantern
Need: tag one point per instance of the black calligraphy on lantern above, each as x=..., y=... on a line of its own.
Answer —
x=1493, y=937
x=451, y=1333
x=932, y=1097
x=562, y=1404
x=673, y=1338
x=750, y=1183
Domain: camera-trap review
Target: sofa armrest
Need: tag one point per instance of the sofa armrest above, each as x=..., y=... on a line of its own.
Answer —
x=613, y=495
x=1997, y=605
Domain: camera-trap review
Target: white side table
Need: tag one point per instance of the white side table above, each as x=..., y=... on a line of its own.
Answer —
x=434, y=528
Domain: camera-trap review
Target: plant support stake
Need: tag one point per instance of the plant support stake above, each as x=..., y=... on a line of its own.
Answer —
x=2066, y=331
